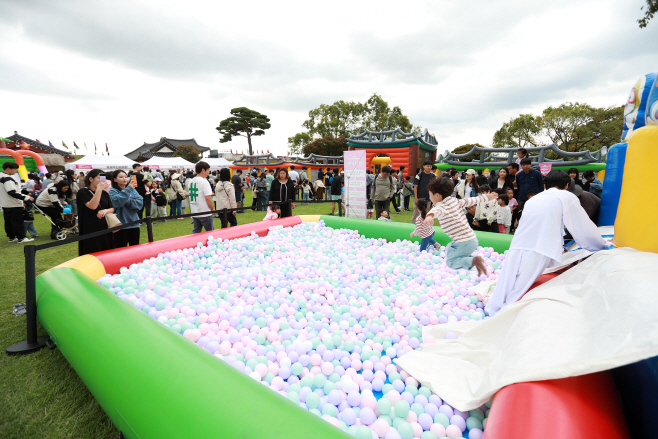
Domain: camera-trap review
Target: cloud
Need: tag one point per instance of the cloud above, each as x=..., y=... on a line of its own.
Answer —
x=458, y=69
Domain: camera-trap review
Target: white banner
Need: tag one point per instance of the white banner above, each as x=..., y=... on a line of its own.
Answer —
x=355, y=183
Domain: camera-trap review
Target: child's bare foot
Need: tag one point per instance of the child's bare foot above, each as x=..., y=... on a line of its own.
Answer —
x=478, y=263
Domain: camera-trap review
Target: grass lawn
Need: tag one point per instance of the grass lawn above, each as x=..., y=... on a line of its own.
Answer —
x=41, y=396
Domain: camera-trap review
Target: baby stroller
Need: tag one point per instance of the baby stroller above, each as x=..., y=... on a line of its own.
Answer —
x=68, y=225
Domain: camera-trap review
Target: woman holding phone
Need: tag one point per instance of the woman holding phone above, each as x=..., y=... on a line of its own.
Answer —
x=127, y=203
x=93, y=203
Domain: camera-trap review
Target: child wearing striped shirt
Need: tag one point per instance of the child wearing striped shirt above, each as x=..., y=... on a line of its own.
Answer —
x=450, y=213
x=423, y=231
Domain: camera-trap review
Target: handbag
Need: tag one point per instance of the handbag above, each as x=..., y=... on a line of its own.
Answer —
x=112, y=221
x=179, y=197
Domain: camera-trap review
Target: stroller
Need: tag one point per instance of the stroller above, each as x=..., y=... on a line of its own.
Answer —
x=67, y=226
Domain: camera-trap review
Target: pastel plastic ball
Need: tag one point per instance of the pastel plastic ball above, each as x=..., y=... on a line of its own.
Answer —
x=401, y=409
x=367, y=416
x=384, y=406
x=453, y=432
x=313, y=400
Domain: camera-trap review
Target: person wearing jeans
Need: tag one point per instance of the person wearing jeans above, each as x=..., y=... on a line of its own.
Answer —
x=174, y=190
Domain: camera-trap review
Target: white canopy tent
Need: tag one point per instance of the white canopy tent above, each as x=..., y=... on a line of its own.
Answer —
x=168, y=163
x=217, y=163
x=101, y=162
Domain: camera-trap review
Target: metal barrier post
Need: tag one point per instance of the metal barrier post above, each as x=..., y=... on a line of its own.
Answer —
x=33, y=343
x=149, y=228
x=340, y=207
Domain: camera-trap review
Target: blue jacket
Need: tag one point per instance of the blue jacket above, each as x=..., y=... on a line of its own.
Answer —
x=126, y=205
x=532, y=181
x=596, y=187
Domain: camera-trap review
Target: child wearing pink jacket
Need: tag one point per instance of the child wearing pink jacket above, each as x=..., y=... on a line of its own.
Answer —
x=272, y=213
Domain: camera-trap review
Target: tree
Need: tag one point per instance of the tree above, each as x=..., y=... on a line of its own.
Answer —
x=328, y=145
x=378, y=116
x=343, y=119
x=296, y=143
x=466, y=148
x=244, y=122
x=652, y=8
x=519, y=132
x=188, y=152
x=574, y=126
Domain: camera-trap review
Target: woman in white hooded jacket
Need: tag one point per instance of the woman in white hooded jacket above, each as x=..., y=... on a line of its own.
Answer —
x=225, y=195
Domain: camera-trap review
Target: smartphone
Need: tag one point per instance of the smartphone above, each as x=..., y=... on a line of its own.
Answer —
x=133, y=180
x=102, y=178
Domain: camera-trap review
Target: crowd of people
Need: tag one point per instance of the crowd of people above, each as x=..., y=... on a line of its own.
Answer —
x=102, y=199
x=514, y=185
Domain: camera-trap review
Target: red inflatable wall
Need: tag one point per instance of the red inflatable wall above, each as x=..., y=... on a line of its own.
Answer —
x=579, y=407
x=114, y=259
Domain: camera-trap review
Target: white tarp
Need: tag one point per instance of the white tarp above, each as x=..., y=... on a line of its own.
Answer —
x=598, y=315
x=168, y=163
x=102, y=162
x=217, y=163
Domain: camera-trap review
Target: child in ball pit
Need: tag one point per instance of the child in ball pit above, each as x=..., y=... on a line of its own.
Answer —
x=450, y=213
x=423, y=231
x=383, y=216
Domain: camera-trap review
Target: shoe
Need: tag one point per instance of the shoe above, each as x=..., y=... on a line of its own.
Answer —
x=13, y=240
x=35, y=236
x=24, y=240
x=332, y=214
x=398, y=211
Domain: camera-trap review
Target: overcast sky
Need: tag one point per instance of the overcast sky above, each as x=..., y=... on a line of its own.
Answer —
x=131, y=72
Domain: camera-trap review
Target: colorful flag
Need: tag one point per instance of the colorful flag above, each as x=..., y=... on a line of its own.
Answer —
x=64, y=145
x=38, y=141
x=268, y=151
x=106, y=149
x=51, y=144
x=95, y=148
x=75, y=145
x=86, y=146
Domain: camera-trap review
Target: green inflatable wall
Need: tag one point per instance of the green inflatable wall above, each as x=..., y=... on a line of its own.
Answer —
x=392, y=231
x=596, y=167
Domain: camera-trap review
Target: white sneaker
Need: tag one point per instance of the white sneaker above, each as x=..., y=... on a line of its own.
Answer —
x=13, y=240
x=24, y=240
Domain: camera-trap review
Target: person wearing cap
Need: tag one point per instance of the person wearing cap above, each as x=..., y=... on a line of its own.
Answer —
x=175, y=195
x=467, y=188
x=538, y=244
x=11, y=202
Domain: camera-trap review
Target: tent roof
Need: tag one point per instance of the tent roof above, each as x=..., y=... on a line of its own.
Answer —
x=101, y=162
x=217, y=162
x=167, y=163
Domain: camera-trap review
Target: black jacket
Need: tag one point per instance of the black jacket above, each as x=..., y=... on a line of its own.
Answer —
x=279, y=192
